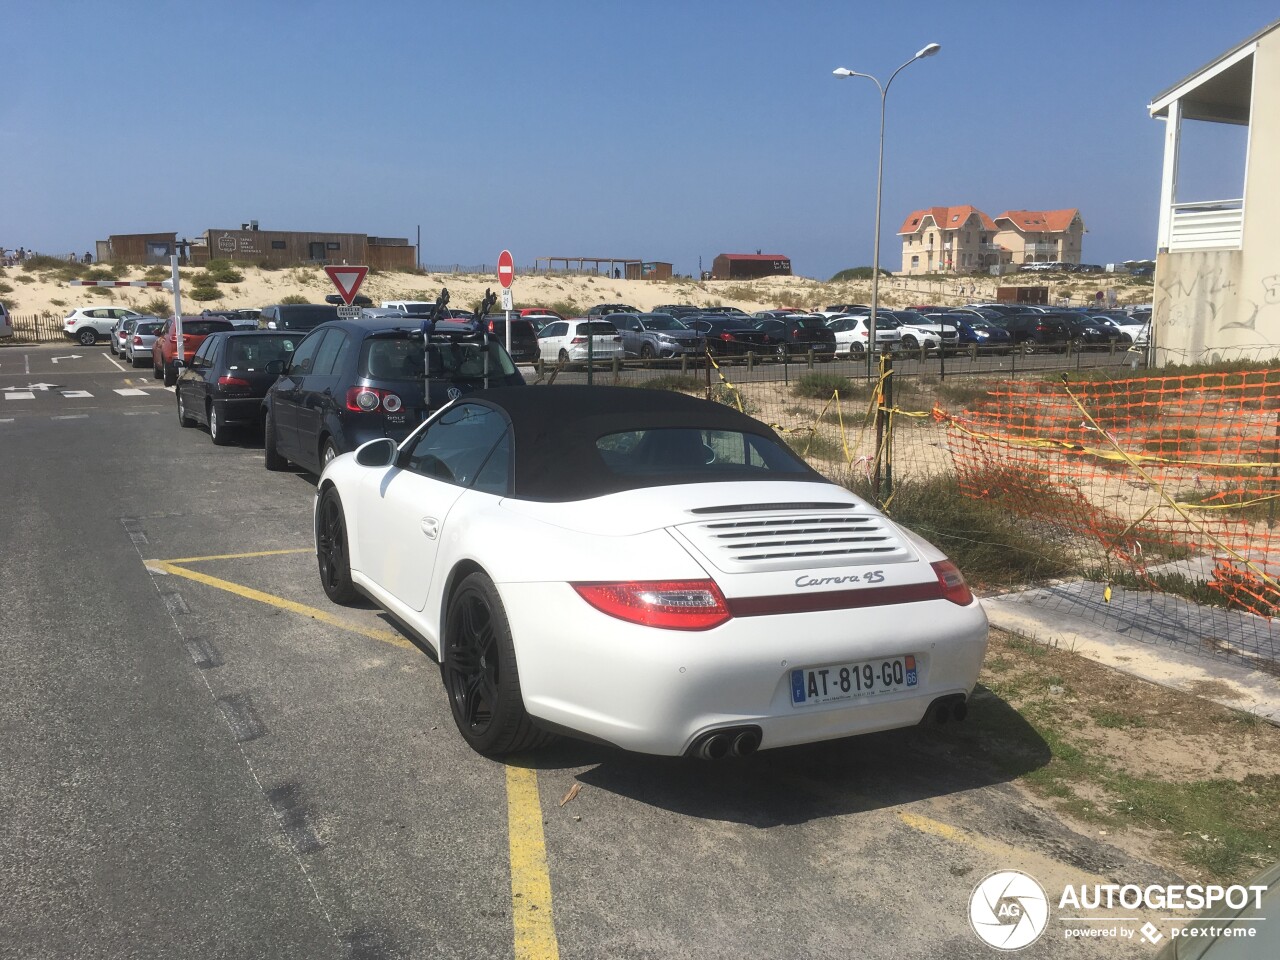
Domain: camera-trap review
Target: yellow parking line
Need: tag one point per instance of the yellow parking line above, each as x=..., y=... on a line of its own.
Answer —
x=534, y=927
x=242, y=556
x=535, y=930
x=385, y=636
x=1006, y=853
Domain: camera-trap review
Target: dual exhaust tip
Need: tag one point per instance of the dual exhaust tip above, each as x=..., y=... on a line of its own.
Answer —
x=730, y=742
x=943, y=709
x=744, y=741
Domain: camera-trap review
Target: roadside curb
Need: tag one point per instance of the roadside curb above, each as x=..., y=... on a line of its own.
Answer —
x=1228, y=684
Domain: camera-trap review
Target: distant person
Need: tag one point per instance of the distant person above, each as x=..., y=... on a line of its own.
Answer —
x=88, y=258
x=617, y=274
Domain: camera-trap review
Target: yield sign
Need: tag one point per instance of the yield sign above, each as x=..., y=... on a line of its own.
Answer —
x=347, y=280
x=506, y=269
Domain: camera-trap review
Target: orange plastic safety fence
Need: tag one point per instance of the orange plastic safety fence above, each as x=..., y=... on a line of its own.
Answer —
x=1164, y=476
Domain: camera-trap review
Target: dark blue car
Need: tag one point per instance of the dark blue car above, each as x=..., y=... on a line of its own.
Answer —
x=351, y=381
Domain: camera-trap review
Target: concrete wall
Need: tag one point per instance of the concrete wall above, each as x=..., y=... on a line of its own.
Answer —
x=1225, y=305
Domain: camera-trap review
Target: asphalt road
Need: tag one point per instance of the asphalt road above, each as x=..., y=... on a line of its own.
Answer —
x=207, y=759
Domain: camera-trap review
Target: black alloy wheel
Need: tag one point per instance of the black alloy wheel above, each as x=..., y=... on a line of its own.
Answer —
x=331, y=549
x=478, y=666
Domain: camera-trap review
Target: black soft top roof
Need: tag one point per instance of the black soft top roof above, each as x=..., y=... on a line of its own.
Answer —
x=556, y=428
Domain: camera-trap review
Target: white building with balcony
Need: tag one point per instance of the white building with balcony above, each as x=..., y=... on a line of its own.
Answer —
x=1217, y=281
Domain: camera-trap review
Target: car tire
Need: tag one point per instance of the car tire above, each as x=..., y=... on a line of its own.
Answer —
x=646, y=352
x=270, y=456
x=781, y=352
x=328, y=450
x=563, y=356
x=331, y=549
x=170, y=376
x=910, y=343
x=856, y=349
x=87, y=337
x=184, y=418
x=217, y=429
x=478, y=667
x=156, y=372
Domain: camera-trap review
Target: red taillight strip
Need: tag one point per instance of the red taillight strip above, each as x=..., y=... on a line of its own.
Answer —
x=834, y=599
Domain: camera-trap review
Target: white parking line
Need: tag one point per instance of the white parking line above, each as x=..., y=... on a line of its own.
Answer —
x=76, y=394
x=26, y=359
x=130, y=392
x=19, y=395
x=72, y=416
x=113, y=362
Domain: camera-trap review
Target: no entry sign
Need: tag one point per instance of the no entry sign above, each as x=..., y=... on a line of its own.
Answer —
x=506, y=269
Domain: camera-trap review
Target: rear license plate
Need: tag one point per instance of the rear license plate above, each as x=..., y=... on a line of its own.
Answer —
x=848, y=681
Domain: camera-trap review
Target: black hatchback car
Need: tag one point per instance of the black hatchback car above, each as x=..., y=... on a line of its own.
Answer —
x=524, y=338
x=1037, y=330
x=225, y=381
x=351, y=381
x=800, y=333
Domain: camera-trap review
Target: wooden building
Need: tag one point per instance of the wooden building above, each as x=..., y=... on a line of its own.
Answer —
x=138, y=248
x=648, y=270
x=749, y=266
x=278, y=248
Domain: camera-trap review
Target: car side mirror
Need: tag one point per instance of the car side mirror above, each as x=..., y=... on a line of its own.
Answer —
x=275, y=367
x=377, y=453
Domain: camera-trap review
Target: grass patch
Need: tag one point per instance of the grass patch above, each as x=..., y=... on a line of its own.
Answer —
x=1222, y=827
x=294, y=298
x=221, y=271
x=984, y=538
x=820, y=386
x=203, y=294
x=676, y=382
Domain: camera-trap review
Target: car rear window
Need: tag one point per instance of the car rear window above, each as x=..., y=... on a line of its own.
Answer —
x=397, y=358
x=810, y=323
x=686, y=451
x=306, y=315
x=254, y=353
x=518, y=327
x=202, y=328
x=148, y=329
x=599, y=328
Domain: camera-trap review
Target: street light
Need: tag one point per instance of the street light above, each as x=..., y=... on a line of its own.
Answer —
x=842, y=72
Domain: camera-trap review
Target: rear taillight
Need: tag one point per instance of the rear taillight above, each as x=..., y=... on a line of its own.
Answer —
x=952, y=582
x=70, y=322
x=727, y=337
x=225, y=381
x=370, y=399
x=667, y=604
x=137, y=340
x=578, y=340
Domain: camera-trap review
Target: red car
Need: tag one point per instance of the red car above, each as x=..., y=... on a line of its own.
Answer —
x=164, y=351
x=539, y=311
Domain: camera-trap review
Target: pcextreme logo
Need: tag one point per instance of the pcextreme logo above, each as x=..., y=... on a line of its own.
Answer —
x=1008, y=910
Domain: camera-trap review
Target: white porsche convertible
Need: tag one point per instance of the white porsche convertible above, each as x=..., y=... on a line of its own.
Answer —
x=646, y=569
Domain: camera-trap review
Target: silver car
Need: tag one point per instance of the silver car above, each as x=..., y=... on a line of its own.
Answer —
x=137, y=348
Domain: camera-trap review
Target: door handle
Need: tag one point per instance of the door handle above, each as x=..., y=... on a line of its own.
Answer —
x=431, y=527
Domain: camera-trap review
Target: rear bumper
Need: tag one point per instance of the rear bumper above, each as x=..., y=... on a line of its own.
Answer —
x=240, y=409
x=656, y=691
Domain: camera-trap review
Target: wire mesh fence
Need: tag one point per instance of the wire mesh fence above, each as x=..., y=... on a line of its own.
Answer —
x=1162, y=493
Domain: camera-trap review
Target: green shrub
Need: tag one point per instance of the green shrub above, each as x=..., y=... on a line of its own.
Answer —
x=294, y=298
x=820, y=386
x=97, y=273
x=222, y=271
x=858, y=273
x=157, y=306
x=40, y=263
x=24, y=278
x=202, y=294
x=5, y=288
x=157, y=272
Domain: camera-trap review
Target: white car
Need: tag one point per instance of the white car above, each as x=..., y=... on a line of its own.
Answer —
x=853, y=333
x=565, y=341
x=86, y=324
x=6, y=324
x=648, y=569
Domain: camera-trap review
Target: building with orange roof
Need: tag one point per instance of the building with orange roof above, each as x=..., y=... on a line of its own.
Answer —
x=1040, y=236
x=948, y=240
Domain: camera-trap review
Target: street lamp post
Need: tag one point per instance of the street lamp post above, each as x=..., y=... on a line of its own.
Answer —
x=887, y=395
x=843, y=72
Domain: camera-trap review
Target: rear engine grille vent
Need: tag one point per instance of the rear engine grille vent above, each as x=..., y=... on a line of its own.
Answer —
x=782, y=543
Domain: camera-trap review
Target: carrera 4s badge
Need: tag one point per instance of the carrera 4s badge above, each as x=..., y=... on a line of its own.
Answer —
x=871, y=576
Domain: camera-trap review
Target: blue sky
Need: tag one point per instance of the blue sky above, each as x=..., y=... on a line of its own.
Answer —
x=662, y=130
